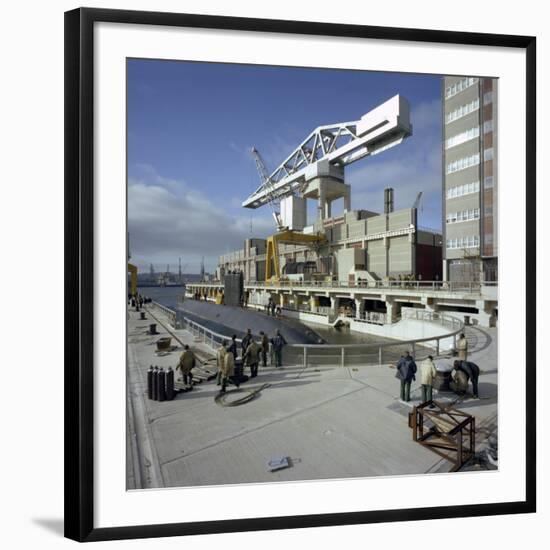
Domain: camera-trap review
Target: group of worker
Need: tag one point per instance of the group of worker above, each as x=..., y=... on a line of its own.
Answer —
x=252, y=352
x=137, y=300
x=463, y=372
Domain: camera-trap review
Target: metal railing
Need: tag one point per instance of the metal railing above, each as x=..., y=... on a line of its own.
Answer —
x=470, y=287
x=382, y=352
x=372, y=317
x=345, y=355
x=441, y=286
x=204, y=334
x=171, y=314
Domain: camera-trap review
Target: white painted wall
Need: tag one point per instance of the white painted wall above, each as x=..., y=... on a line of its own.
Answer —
x=406, y=329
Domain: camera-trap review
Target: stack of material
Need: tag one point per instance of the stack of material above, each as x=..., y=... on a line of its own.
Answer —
x=446, y=431
x=200, y=374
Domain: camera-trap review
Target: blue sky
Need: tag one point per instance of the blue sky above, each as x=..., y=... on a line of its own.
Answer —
x=191, y=126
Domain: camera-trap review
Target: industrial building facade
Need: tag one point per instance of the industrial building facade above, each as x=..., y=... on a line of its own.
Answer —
x=360, y=246
x=470, y=179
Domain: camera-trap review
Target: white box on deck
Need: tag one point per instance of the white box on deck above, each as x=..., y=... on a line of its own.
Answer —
x=294, y=212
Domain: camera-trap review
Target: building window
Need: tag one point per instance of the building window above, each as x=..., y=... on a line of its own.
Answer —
x=471, y=241
x=463, y=137
x=462, y=163
x=488, y=209
x=463, y=216
x=488, y=126
x=457, y=87
x=465, y=189
x=488, y=154
x=488, y=182
x=487, y=98
x=461, y=111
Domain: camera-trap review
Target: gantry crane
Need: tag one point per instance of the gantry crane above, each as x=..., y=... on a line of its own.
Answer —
x=320, y=157
x=283, y=235
x=336, y=145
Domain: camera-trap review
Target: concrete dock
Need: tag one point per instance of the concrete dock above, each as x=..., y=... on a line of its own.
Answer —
x=331, y=421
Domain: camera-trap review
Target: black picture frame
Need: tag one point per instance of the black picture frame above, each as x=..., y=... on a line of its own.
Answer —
x=79, y=269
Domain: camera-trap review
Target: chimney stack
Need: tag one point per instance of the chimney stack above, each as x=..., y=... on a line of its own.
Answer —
x=388, y=200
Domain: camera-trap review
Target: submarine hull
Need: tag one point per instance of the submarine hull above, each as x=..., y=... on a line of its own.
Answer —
x=228, y=320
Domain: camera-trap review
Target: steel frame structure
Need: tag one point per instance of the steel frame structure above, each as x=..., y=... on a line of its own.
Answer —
x=337, y=144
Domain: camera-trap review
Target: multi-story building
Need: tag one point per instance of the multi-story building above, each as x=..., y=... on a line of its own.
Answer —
x=470, y=178
x=359, y=245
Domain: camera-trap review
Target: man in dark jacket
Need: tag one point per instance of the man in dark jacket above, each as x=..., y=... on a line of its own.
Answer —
x=246, y=340
x=251, y=358
x=406, y=369
x=278, y=342
x=265, y=347
x=471, y=370
x=233, y=346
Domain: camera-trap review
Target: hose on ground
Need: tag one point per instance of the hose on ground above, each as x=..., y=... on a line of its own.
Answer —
x=222, y=398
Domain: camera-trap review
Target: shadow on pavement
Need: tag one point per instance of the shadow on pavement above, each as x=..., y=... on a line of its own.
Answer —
x=479, y=336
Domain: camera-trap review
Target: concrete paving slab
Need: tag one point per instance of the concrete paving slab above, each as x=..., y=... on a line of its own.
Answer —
x=331, y=421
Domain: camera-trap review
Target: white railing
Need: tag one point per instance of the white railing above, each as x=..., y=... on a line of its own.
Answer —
x=384, y=352
x=372, y=317
x=319, y=311
x=171, y=314
x=207, y=336
x=347, y=354
x=471, y=287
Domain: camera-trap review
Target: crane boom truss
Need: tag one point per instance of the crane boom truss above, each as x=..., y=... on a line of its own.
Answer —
x=338, y=144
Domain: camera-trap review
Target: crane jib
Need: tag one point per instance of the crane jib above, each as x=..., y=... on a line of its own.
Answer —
x=336, y=146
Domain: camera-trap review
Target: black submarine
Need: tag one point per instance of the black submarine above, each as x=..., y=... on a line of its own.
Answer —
x=228, y=320
x=231, y=318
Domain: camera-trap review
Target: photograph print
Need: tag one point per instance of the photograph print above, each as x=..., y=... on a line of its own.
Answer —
x=312, y=274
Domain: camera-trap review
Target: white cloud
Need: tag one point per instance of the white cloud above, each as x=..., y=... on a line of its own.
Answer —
x=168, y=219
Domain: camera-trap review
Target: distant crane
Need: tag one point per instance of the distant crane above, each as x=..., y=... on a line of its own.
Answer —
x=416, y=203
x=268, y=187
x=182, y=270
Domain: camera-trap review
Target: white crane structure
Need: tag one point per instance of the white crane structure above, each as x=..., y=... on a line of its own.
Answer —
x=267, y=186
x=315, y=169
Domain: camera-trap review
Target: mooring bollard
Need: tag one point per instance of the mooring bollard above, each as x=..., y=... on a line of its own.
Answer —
x=142, y=316
x=170, y=384
x=162, y=385
x=155, y=383
x=153, y=328
x=150, y=382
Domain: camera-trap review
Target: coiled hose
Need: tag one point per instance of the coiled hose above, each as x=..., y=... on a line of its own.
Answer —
x=222, y=398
